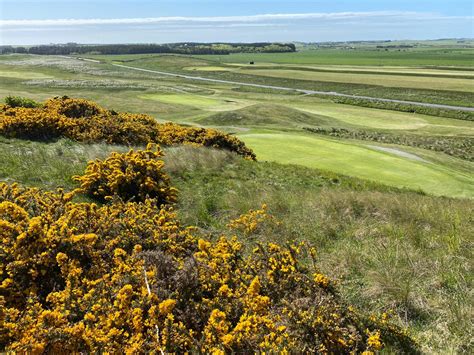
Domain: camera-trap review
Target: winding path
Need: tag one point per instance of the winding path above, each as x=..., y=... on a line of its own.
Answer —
x=304, y=91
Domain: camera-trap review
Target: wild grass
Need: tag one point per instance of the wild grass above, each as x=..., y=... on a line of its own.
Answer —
x=47, y=165
x=390, y=249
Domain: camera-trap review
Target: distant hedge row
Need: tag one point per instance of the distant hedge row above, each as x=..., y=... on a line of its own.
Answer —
x=177, y=48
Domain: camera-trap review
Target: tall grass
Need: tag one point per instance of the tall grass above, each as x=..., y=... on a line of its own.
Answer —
x=389, y=249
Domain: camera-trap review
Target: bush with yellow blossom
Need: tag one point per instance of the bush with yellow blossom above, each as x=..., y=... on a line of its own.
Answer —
x=125, y=276
x=85, y=121
x=136, y=175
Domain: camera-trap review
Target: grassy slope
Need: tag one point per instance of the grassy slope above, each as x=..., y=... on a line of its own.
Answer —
x=267, y=115
x=363, y=231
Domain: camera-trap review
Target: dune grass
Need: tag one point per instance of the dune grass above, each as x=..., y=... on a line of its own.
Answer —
x=267, y=115
x=389, y=249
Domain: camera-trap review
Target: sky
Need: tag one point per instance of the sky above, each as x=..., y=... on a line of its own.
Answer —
x=29, y=22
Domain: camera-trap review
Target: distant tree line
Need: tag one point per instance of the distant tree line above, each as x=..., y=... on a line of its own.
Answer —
x=175, y=48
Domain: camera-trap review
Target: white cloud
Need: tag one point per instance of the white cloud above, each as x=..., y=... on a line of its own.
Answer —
x=234, y=19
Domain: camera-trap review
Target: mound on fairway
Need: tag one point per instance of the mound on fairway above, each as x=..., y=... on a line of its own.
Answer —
x=362, y=162
x=266, y=115
x=203, y=102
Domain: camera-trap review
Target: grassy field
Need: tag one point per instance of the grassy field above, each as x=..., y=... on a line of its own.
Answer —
x=249, y=111
x=421, y=88
x=418, y=82
x=362, y=57
x=361, y=161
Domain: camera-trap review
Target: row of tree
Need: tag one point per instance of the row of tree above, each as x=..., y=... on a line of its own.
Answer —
x=176, y=48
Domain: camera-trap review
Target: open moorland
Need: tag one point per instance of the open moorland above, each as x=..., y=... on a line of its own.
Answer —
x=383, y=190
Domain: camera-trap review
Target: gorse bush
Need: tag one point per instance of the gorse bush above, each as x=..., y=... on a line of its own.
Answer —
x=85, y=121
x=127, y=277
x=74, y=108
x=131, y=176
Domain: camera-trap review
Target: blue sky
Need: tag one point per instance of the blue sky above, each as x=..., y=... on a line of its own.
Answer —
x=161, y=21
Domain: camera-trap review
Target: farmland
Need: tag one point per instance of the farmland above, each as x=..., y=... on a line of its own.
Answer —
x=368, y=206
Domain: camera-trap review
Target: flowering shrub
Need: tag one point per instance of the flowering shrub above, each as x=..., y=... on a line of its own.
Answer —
x=172, y=133
x=127, y=277
x=85, y=121
x=32, y=123
x=131, y=176
x=74, y=108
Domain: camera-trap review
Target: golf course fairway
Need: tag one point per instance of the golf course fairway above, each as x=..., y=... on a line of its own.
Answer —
x=360, y=161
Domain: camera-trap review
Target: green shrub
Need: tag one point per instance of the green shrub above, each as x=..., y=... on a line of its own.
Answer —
x=18, y=101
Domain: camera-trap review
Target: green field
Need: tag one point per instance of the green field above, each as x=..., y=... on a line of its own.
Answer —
x=455, y=89
x=361, y=161
x=248, y=110
x=419, y=82
x=362, y=57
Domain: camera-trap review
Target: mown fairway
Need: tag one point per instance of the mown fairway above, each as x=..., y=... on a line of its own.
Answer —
x=363, y=161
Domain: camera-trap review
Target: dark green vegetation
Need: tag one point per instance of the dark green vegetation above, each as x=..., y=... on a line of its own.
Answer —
x=181, y=48
x=460, y=115
x=461, y=147
x=18, y=101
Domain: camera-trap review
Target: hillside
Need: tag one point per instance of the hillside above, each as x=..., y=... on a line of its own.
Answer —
x=266, y=115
